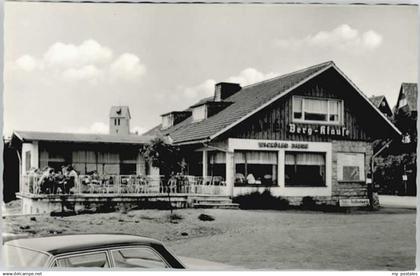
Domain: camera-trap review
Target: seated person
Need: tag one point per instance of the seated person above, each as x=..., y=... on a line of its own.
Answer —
x=46, y=181
x=71, y=179
x=250, y=179
x=239, y=178
x=58, y=182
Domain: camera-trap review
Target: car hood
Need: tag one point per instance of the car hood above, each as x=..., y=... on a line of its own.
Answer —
x=199, y=264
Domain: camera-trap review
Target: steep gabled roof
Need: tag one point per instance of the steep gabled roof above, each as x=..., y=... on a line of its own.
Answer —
x=377, y=100
x=409, y=91
x=246, y=102
x=119, y=111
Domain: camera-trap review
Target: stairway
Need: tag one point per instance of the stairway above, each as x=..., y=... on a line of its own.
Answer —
x=220, y=202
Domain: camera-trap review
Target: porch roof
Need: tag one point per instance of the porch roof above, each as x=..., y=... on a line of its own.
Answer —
x=29, y=136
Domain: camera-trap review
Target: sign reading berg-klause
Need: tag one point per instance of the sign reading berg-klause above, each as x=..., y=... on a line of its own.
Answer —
x=321, y=130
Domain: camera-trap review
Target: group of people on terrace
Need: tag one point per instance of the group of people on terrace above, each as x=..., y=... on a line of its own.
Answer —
x=69, y=181
x=51, y=181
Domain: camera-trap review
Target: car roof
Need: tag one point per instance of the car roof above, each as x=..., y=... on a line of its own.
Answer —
x=61, y=244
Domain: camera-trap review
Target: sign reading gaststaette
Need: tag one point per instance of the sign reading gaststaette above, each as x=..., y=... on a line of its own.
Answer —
x=320, y=130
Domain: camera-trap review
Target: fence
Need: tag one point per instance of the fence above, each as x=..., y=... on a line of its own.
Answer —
x=129, y=184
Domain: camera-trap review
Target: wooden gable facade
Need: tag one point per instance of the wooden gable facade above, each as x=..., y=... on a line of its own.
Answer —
x=360, y=121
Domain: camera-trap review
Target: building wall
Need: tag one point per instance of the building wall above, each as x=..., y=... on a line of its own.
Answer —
x=104, y=158
x=32, y=149
x=334, y=191
x=350, y=189
x=122, y=129
x=281, y=189
x=141, y=165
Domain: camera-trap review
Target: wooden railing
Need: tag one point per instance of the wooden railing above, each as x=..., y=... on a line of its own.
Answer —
x=130, y=184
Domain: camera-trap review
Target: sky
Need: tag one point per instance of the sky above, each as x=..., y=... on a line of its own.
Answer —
x=66, y=64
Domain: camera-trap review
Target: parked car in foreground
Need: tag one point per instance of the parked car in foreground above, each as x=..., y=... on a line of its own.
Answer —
x=88, y=250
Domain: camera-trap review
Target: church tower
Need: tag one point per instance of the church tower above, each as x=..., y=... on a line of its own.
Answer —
x=119, y=120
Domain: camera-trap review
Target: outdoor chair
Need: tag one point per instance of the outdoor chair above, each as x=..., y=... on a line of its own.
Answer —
x=140, y=185
x=170, y=186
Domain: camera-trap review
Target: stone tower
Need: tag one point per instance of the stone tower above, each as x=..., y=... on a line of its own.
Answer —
x=119, y=120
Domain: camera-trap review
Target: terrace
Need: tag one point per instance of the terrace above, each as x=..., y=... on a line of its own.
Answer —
x=131, y=184
x=124, y=191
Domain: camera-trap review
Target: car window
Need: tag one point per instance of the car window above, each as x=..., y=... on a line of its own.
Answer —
x=98, y=259
x=138, y=257
x=20, y=257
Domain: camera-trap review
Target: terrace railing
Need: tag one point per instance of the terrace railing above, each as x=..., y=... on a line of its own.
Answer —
x=132, y=184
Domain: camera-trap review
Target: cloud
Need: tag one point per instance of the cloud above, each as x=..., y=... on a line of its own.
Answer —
x=27, y=63
x=245, y=77
x=88, y=72
x=372, y=39
x=205, y=89
x=70, y=55
x=343, y=37
x=250, y=76
x=89, y=61
x=127, y=66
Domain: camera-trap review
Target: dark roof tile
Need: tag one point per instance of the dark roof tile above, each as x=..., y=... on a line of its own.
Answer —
x=376, y=100
x=244, y=101
x=410, y=92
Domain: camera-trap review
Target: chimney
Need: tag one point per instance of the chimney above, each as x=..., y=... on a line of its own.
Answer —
x=224, y=90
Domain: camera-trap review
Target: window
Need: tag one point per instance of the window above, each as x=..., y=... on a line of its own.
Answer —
x=128, y=161
x=98, y=259
x=351, y=166
x=199, y=113
x=128, y=169
x=317, y=110
x=216, y=164
x=28, y=160
x=138, y=257
x=256, y=168
x=21, y=257
x=304, y=169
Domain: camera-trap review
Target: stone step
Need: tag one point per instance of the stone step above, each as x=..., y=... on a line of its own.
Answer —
x=214, y=200
x=216, y=205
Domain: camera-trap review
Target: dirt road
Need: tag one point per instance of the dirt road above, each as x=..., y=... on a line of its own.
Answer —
x=291, y=240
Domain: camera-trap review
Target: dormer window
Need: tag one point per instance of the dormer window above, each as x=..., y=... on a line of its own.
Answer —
x=314, y=110
x=199, y=113
x=172, y=118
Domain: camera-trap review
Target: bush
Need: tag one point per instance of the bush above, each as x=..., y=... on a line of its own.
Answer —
x=261, y=201
x=62, y=214
x=308, y=203
x=204, y=217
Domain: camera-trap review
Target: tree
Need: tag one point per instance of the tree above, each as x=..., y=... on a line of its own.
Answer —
x=166, y=157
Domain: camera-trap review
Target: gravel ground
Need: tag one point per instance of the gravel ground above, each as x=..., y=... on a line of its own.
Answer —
x=286, y=240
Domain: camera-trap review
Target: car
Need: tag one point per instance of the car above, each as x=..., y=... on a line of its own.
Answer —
x=89, y=250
